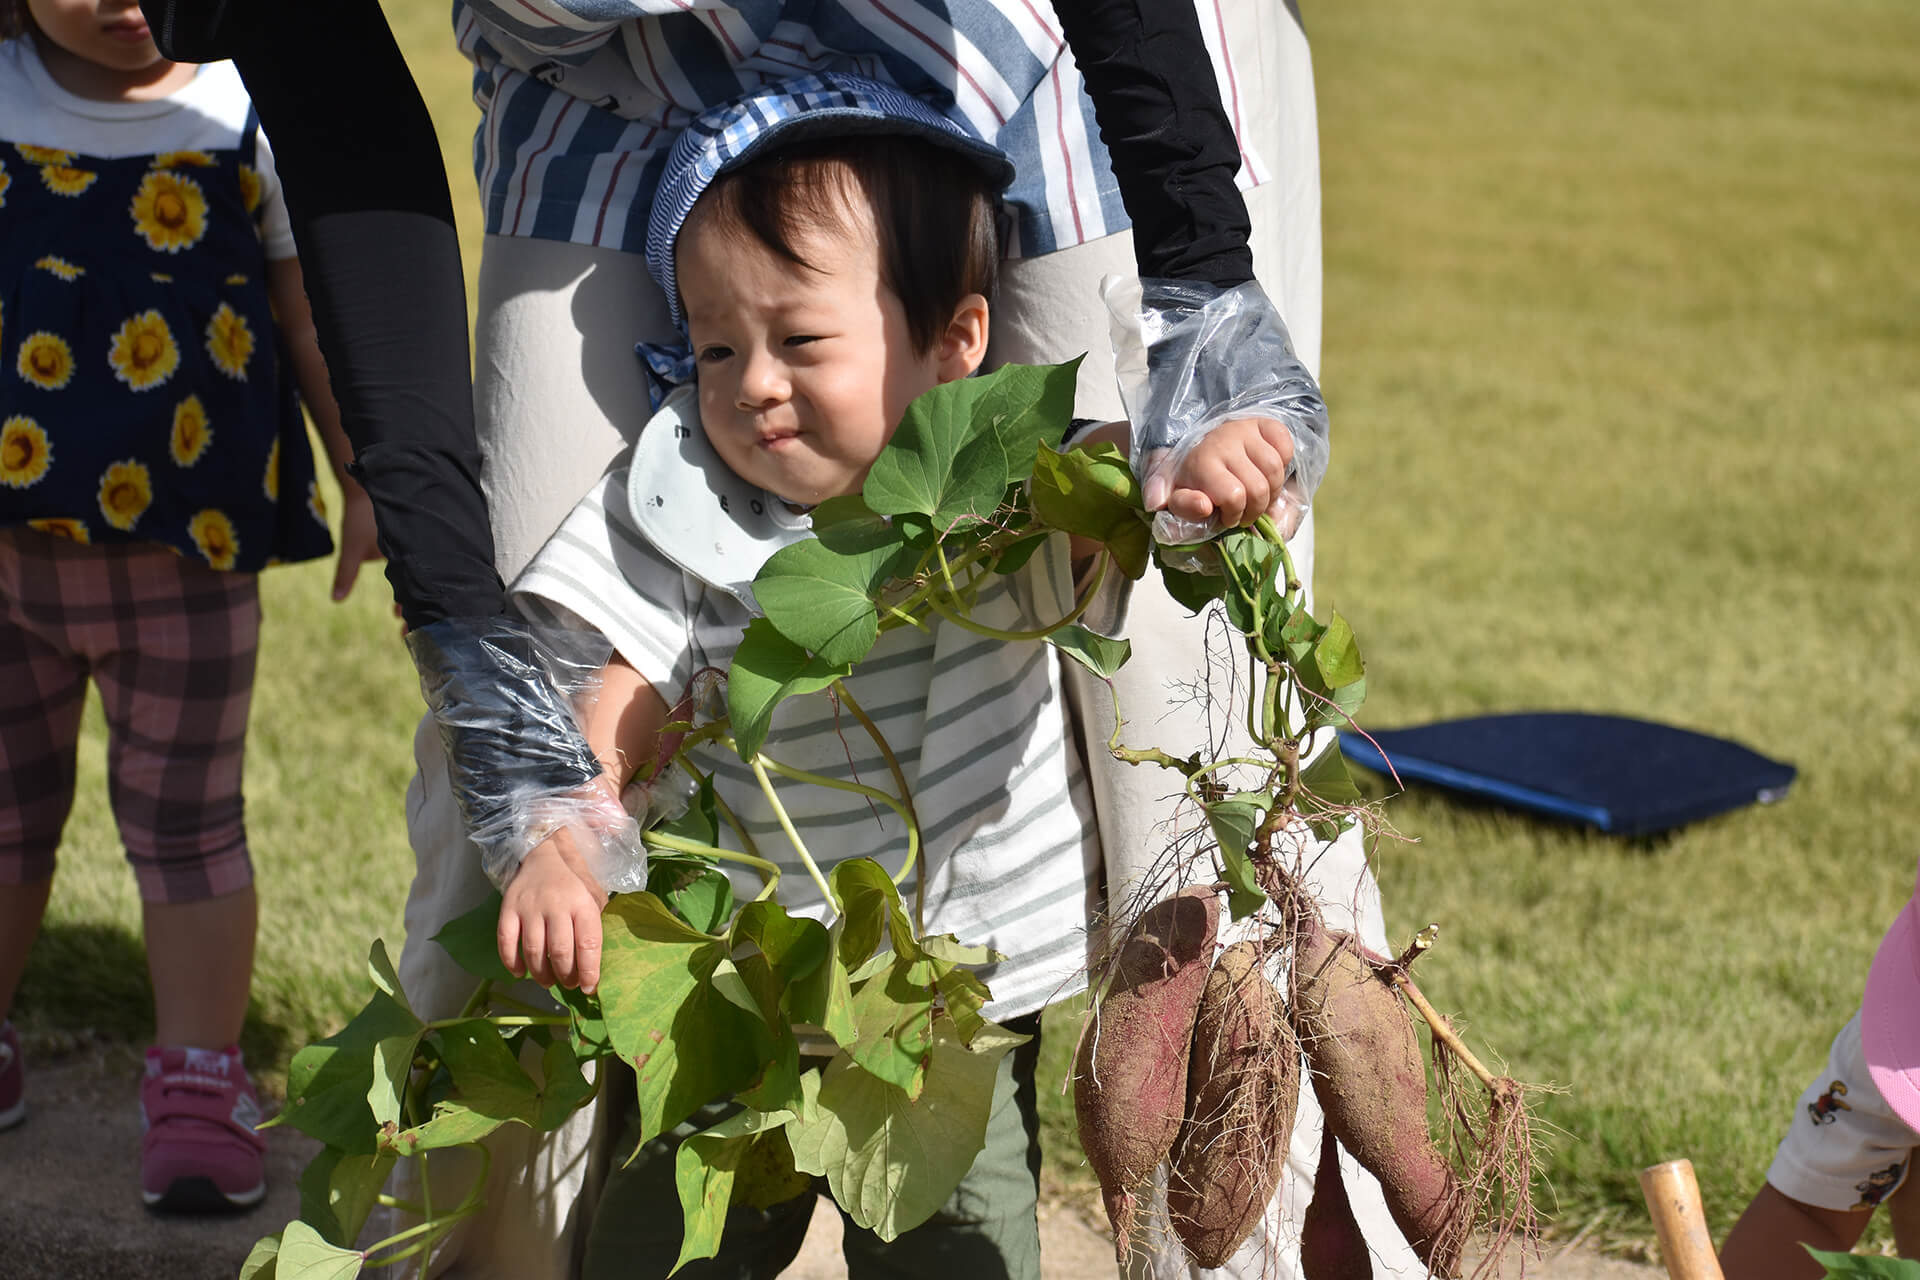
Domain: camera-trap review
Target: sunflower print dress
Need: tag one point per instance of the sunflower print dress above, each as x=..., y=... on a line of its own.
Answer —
x=142, y=392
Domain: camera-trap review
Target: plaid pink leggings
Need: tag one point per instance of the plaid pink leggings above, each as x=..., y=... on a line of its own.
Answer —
x=171, y=644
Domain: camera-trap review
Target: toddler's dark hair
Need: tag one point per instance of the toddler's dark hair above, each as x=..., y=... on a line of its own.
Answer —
x=936, y=214
x=13, y=19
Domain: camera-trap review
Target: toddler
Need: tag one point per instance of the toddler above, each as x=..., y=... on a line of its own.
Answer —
x=1850, y=1144
x=827, y=246
x=153, y=459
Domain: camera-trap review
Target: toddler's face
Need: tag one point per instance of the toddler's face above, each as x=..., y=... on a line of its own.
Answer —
x=108, y=33
x=804, y=372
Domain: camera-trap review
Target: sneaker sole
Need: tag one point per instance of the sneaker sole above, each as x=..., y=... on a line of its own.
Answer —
x=199, y=1195
x=13, y=1115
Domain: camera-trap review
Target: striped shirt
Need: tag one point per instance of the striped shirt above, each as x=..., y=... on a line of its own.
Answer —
x=978, y=727
x=581, y=99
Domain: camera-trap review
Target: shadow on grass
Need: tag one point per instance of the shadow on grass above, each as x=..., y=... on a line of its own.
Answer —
x=88, y=983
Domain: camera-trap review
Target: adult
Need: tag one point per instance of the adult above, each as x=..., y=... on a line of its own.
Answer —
x=1119, y=113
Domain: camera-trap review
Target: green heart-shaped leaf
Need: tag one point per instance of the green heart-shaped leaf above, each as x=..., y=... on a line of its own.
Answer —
x=963, y=443
x=1099, y=654
x=687, y=1043
x=767, y=669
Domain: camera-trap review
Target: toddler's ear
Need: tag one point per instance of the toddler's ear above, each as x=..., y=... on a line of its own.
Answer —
x=963, y=343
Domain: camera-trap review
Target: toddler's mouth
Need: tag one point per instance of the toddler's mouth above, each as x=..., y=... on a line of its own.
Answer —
x=131, y=29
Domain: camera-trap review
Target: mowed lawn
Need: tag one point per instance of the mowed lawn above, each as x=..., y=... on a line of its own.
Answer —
x=1623, y=352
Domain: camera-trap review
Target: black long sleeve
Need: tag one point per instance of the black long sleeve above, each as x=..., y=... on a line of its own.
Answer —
x=373, y=218
x=1174, y=153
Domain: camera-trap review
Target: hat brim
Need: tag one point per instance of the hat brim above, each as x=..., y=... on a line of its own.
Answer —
x=1890, y=1017
x=841, y=121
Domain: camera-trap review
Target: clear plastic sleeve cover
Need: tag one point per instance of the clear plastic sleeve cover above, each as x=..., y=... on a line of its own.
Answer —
x=1191, y=356
x=507, y=696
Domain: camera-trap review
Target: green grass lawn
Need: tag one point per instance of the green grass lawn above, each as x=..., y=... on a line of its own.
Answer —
x=1622, y=318
x=1621, y=330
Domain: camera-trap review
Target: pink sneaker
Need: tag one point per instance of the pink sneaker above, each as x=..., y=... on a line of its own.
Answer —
x=13, y=1078
x=200, y=1153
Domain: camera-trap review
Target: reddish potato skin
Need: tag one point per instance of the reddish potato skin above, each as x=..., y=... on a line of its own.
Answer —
x=1372, y=1083
x=1243, y=1083
x=1130, y=1072
x=1331, y=1246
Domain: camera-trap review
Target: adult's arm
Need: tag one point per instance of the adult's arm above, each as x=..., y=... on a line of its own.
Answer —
x=373, y=218
x=1216, y=350
x=1158, y=105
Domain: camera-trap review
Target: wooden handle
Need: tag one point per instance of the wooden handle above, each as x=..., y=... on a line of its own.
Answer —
x=1673, y=1198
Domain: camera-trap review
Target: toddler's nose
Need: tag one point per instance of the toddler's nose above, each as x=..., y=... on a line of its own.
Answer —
x=763, y=381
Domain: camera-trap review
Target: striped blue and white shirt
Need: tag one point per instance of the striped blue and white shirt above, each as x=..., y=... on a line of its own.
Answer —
x=581, y=99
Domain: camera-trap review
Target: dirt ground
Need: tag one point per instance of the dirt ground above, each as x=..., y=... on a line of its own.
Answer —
x=70, y=1204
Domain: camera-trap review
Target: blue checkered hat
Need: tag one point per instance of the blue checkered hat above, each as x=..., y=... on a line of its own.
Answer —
x=828, y=103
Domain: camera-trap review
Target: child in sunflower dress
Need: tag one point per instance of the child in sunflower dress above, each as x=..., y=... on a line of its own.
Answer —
x=153, y=459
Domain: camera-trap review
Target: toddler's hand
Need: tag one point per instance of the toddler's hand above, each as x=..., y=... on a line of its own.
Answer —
x=359, y=543
x=550, y=915
x=1231, y=476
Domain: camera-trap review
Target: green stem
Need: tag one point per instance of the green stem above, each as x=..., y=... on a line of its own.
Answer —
x=407, y=1207
x=479, y=999
x=897, y=613
x=433, y=1230
x=503, y=999
x=759, y=764
x=946, y=574
x=1270, y=706
x=656, y=839
x=906, y=795
x=1079, y=610
x=858, y=789
x=1271, y=532
x=902, y=612
x=508, y=1020
x=1154, y=755
x=1255, y=670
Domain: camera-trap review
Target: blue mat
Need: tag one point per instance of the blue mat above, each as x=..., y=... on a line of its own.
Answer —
x=1626, y=777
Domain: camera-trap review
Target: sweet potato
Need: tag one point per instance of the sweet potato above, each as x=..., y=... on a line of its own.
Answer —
x=1372, y=1083
x=1130, y=1072
x=1243, y=1083
x=1331, y=1246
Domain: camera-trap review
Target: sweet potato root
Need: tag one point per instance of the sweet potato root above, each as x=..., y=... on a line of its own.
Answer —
x=1331, y=1246
x=1130, y=1073
x=1243, y=1083
x=1367, y=1071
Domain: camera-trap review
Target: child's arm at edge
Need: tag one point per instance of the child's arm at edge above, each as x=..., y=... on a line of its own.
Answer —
x=292, y=315
x=549, y=926
x=1766, y=1244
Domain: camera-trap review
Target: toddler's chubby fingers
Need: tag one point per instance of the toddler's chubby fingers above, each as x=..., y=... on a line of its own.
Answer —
x=1209, y=487
x=1156, y=487
x=586, y=952
x=1258, y=488
x=506, y=939
x=559, y=953
x=1233, y=476
x=532, y=960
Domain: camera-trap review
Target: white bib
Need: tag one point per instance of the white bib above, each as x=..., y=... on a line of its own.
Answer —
x=693, y=508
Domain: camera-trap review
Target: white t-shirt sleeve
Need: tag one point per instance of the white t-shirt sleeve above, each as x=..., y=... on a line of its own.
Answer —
x=276, y=227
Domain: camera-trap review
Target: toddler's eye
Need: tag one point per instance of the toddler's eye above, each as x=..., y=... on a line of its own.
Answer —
x=713, y=355
x=801, y=339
